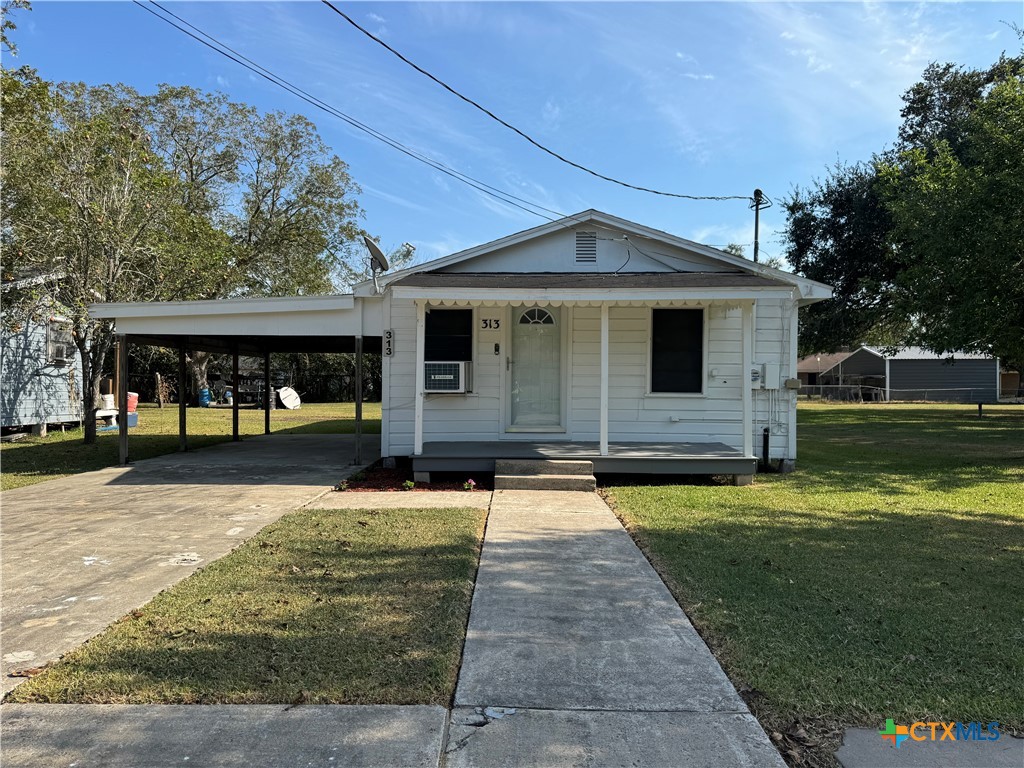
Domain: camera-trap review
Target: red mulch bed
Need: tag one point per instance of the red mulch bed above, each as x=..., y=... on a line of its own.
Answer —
x=379, y=479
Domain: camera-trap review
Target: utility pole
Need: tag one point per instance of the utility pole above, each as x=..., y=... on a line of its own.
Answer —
x=758, y=203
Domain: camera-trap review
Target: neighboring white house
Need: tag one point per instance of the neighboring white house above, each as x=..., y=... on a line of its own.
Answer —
x=590, y=336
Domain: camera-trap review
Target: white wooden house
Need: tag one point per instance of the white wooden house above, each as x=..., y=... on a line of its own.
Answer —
x=590, y=337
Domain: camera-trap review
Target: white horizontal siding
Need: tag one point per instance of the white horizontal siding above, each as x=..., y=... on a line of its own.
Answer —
x=716, y=416
x=33, y=391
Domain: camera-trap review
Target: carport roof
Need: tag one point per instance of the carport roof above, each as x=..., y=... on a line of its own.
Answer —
x=251, y=326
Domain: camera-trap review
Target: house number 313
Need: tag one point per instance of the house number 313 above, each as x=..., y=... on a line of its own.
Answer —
x=490, y=324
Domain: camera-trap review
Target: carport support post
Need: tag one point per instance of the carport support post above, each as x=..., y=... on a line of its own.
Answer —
x=268, y=393
x=359, y=400
x=234, y=394
x=122, y=399
x=182, y=398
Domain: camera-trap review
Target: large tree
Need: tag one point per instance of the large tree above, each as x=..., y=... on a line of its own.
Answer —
x=86, y=200
x=923, y=242
x=117, y=196
x=959, y=221
x=839, y=232
x=273, y=210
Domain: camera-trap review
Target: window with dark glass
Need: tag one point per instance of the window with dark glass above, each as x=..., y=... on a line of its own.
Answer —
x=448, y=335
x=677, y=350
x=60, y=344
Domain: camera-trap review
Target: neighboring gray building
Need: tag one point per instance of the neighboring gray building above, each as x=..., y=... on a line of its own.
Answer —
x=914, y=373
x=40, y=374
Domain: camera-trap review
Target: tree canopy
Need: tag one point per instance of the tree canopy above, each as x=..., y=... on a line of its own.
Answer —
x=119, y=196
x=924, y=242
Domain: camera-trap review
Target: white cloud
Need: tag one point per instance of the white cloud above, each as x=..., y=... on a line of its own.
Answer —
x=551, y=114
x=222, y=81
x=394, y=199
x=811, y=58
x=685, y=57
x=435, y=249
x=720, y=235
x=377, y=18
x=695, y=76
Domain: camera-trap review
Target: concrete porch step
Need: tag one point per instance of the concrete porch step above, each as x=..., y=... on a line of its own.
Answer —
x=544, y=482
x=542, y=467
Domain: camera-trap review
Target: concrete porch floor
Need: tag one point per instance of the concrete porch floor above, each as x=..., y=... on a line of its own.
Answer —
x=625, y=457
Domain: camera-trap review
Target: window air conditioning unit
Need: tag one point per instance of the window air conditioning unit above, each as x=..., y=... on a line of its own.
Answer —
x=444, y=377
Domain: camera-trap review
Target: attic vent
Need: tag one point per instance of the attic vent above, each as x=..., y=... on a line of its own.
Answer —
x=586, y=247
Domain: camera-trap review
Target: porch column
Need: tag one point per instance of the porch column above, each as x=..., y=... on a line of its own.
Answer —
x=359, y=400
x=604, y=380
x=268, y=393
x=421, y=326
x=234, y=394
x=122, y=399
x=794, y=330
x=182, y=398
x=745, y=383
x=888, y=386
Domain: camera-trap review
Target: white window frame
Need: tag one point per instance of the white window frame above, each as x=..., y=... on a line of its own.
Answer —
x=705, y=349
x=471, y=363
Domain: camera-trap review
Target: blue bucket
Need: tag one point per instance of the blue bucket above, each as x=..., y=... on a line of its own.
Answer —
x=204, y=398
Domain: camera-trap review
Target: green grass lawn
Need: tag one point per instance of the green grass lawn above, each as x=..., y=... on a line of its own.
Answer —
x=34, y=459
x=349, y=607
x=885, y=578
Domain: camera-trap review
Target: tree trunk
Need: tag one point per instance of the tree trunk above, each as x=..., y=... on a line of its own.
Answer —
x=89, y=396
x=197, y=363
x=94, y=354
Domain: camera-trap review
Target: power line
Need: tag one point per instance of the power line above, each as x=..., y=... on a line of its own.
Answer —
x=225, y=50
x=512, y=128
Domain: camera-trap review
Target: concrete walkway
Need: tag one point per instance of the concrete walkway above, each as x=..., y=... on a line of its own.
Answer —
x=238, y=736
x=577, y=654
x=82, y=551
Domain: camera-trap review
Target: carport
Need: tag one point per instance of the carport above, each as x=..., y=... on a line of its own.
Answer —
x=245, y=327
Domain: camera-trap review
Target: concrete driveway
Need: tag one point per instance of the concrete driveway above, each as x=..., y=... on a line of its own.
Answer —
x=82, y=551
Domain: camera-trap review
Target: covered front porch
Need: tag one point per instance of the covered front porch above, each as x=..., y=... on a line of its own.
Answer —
x=615, y=457
x=596, y=372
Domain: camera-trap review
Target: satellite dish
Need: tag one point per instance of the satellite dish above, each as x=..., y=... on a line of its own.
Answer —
x=378, y=260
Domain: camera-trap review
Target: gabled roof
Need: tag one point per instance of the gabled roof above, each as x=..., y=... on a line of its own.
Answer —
x=808, y=289
x=821, y=362
x=906, y=353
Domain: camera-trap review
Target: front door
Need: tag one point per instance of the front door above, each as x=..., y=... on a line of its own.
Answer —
x=535, y=370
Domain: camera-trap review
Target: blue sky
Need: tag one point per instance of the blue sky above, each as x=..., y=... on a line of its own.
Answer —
x=697, y=98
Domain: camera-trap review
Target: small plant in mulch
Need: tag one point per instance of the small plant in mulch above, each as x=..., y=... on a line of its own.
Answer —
x=379, y=478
